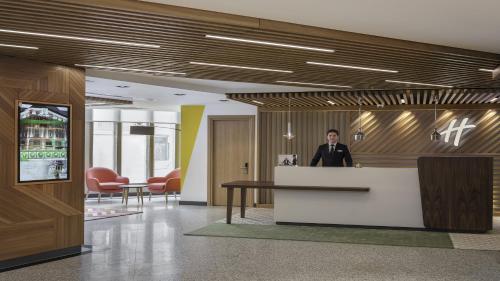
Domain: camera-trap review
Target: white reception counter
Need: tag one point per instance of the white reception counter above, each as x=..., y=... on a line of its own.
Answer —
x=393, y=199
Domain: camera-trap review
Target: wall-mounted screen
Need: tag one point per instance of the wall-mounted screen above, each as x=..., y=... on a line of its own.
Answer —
x=43, y=142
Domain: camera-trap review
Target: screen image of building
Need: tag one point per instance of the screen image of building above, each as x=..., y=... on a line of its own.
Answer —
x=43, y=142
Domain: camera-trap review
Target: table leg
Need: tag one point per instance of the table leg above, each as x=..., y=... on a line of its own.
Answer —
x=137, y=193
x=126, y=197
x=230, y=192
x=243, y=202
x=142, y=197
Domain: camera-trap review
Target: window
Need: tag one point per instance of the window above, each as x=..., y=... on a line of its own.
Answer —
x=104, y=145
x=134, y=154
x=164, y=149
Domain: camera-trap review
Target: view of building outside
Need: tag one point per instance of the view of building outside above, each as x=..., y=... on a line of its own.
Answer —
x=43, y=142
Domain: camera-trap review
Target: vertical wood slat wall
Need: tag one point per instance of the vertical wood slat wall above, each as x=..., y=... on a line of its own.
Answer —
x=36, y=218
x=309, y=127
x=393, y=138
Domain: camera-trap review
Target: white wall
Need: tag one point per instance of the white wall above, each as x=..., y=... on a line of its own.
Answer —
x=196, y=181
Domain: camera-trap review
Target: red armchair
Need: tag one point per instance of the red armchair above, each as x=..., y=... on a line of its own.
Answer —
x=169, y=183
x=104, y=180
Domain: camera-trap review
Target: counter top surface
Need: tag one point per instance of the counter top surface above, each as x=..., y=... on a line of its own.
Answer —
x=271, y=185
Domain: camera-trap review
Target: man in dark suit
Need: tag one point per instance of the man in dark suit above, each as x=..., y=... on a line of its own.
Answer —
x=332, y=154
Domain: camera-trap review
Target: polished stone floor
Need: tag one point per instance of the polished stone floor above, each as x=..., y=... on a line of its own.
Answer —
x=151, y=246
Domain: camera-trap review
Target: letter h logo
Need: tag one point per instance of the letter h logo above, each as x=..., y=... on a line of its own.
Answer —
x=451, y=128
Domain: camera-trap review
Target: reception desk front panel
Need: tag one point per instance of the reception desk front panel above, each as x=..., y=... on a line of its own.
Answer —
x=393, y=199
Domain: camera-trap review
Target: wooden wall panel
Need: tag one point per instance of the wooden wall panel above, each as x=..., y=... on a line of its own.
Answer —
x=42, y=217
x=459, y=200
x=393, y=138
x=310, y=131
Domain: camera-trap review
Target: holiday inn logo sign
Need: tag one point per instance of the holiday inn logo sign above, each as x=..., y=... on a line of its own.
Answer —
x=459, y=130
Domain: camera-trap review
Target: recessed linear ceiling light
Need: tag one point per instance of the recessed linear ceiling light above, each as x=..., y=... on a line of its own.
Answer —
x=242, y=67
x=415, y=83
x=352, y=67
x=80, y=38
x=313, y=84
x=487, y=70
x=18, y=46
x=129, y=69
x=270, y=43
x=493, y=100
x=257, y=102
x=330, y=102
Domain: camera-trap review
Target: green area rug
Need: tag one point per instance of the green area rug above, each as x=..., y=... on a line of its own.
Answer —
x=409, y=238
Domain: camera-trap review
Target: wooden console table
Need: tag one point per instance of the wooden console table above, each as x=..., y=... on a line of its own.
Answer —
x=243, y=185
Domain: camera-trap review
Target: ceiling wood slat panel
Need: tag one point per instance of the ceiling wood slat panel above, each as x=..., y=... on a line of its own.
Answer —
x=374, y=99
x=181, y=34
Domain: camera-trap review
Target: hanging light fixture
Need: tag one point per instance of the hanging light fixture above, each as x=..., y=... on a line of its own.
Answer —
x=289, y=135
x=435, y=136
x=359, y=135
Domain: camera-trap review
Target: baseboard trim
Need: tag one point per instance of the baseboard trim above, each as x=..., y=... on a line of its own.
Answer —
x=58, y=254
x=195, y=203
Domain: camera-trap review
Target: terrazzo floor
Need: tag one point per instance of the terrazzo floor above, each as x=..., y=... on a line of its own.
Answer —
x=151, y=246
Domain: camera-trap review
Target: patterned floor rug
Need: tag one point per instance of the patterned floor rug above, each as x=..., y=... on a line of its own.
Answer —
x=105, y=213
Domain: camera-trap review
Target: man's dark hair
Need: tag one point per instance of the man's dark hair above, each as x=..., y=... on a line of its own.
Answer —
x=333, y=131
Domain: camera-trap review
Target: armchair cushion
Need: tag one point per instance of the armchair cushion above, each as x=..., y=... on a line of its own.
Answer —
x=173, y=185
x=156, y=187
x=104, y=180
x=157, y=180
x=122, y=180
x=111, y=185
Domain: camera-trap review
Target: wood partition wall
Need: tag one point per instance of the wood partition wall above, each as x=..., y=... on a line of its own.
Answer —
x=394, y=138
x=38, y=218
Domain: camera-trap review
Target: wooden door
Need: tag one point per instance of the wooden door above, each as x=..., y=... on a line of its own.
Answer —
x=231, y=156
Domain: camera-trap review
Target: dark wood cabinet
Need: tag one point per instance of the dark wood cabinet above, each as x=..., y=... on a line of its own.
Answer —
x=457, y=193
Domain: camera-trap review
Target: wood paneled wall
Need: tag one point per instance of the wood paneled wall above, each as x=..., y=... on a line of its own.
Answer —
x=310, y=129
x=393, y=138
x=42, y=217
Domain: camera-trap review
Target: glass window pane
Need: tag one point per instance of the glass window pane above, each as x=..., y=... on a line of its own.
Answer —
x=134, y=154
x=104, y=145
x=164, y=149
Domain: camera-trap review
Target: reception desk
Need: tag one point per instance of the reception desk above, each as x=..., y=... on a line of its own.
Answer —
x=393, y=199
x=443, y=193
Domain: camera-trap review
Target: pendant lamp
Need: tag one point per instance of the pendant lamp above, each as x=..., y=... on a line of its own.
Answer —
x=289, y=135
x=359, y=135
x=435, y=136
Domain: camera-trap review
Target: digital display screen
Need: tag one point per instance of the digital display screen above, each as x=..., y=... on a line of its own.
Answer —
x=43, y=142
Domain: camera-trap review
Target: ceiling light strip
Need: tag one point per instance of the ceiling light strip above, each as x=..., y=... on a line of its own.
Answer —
x=241, y=67
x=416, y=83
x=80, y=38
x=352, y=67
x=267, y=43
x=486, y=70
x=18, y=46
x=257, y=102
x=129, y=69
x=313, y=84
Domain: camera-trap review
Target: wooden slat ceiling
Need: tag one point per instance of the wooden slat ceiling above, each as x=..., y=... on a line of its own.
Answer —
x=374, y=99
x=181, y=34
